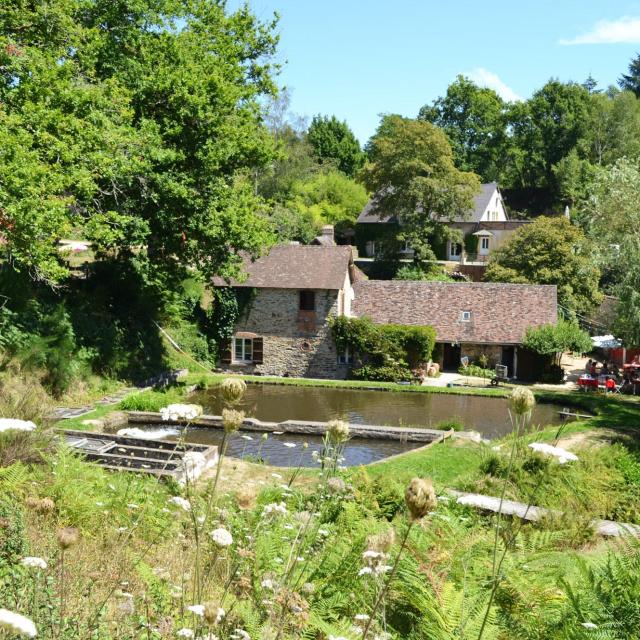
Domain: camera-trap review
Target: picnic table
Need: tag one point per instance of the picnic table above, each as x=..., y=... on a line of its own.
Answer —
x=587, y=382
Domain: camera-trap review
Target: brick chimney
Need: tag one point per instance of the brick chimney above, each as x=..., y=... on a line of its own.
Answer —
x=327, y=232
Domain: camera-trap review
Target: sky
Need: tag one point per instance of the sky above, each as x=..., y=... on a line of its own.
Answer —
x=357, y=59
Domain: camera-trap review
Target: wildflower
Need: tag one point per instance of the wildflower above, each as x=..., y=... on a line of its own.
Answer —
x=13, y=424
x=521, y=401
x=185, y=633
x=181, y=502
x=382, y=541
x=193, y=464
x=274, y=507
x=67, y=537
x=198, y=609
x=420, y=497
x=289, y=445
x=323, y=532
x=365, y=571
x=221, y=537
x=336, y=485
x=338, y=430
x=557, y=452
x=231, y=420
x=213, y=614
x=315, y=456
x=233, y=389
x=16, y=623
x=31, y=561
x=240, y=634
x=267, y=583
x=175, y=412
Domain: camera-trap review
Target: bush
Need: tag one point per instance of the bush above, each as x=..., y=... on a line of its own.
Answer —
x=476, y=371
x=384, y=373
x=151, y=400
x=451, y=423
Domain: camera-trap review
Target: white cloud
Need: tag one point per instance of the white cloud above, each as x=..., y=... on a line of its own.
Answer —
x=625, y=29
x=485, y=78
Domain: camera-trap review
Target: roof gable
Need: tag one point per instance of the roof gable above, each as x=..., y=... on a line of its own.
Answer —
x=297, y=267
x=500, y=313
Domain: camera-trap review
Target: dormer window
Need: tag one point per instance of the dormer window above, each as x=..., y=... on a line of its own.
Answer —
x=465, y=316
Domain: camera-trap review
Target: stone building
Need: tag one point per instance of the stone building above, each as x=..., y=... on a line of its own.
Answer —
x=285, y=328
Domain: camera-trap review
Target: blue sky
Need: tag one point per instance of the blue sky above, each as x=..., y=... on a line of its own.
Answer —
x=357, y=59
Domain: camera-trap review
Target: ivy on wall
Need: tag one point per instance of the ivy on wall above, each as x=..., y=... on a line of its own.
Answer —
x=389, y=352
x=229, y=305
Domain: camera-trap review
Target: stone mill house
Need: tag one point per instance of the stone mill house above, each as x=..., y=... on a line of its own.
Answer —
x=284, y=328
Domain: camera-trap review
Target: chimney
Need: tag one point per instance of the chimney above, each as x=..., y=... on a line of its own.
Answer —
x=327, y=232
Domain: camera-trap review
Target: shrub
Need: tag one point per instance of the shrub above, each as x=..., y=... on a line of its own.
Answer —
x=476, y=371
x=451, y=423
x=150, y=400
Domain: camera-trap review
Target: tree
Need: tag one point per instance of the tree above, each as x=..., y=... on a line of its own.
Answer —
x=631, y=81
x=134, y=123
x=555, y=339
x=474, y=119
x=334, y=142
x=612, y=219
x=412, y=173
x=550, y=251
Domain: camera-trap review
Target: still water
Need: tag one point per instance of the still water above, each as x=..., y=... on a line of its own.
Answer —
x=277, y=403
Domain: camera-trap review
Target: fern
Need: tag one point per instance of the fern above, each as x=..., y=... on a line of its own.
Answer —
x=13, y=478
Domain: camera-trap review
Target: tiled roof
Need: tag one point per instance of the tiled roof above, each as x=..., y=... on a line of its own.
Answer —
x=500, y=313
x=297, y=267
x=371, y=214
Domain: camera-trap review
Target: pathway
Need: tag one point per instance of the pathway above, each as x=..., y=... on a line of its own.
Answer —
x=64, y=413
x=533, y=514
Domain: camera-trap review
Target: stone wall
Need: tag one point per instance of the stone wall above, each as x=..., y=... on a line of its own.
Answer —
x=289, y=348
x=474, y=351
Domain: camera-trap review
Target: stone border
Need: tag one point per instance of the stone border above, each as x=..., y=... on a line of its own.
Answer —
x=402, y=434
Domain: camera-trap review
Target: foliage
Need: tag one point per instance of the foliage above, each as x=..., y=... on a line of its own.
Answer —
x=334, y=142
x=555, y=339
x=135, y=132
x=549, y=251
x=631, y=81
x=417, y=271
x=411, y=171
x=477, y=371
x=474, y=120
x=384, y=352
x=151, y=400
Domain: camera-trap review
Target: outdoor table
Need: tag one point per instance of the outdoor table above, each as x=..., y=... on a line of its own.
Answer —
x=587, y=382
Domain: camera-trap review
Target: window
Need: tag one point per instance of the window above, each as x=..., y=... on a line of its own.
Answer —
x=346, y=357
x=406, y=247
x=371, y=248
x=243, y=350
x=465, y=316
x=307, y=301
x=484, y=243
x=456, y=249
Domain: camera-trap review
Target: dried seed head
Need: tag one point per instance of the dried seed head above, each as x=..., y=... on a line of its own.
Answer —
x=67, y=537
x=336, y=485
x=213, y=612
x=232, y=419
x=382, y=542
x=338, y=430
x=47, y=505
x=420, y=497
x=233, y=390
x=521, y=401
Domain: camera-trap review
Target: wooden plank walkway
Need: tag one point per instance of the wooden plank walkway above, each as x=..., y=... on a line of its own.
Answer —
x=305, y=427
x=607, y=528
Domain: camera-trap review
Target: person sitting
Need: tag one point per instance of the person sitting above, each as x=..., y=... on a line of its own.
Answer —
x=592, y=371
x=588, y=366
x=610, y=385
x=604, y=370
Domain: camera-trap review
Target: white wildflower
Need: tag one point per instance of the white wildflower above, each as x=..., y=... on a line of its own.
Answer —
x=323, y=532
x=185, y=633
x=267, y=583
x=31, y=561
x=221, y=537
x=240, y=634
x=365, y=571
x=557, y=452
x=181, y=502
x=174, y=412
x=274, y=507
x=198, y=609
x=13, y=424
x=16, y=623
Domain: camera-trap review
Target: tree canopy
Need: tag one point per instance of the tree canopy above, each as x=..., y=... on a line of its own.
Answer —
x=135, y=124
x=334, y=142
x=550, y=251
x=411, y=170
x=555, y=339
x=631, y=81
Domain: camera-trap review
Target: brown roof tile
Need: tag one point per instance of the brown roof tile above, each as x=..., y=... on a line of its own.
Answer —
x=297, y=267
x=500, y=313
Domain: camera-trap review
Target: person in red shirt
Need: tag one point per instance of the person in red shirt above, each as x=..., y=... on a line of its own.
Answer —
x=610, y=384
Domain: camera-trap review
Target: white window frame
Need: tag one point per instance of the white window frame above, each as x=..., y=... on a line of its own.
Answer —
x=452, y=249
x=371, y=248
x=346, y=357
x=484, y=243
x=465, y=316
x=406, y=247
x=246, y=354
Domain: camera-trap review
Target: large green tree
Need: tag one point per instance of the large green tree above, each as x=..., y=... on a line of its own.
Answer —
x=550, y=251
x=631, y=81
x=334, y=142
x=611, y=216
x=412, y=173
x=133, y=123
x=474, y=119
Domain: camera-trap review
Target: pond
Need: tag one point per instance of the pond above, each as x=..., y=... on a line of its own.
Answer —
x=277, y=403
